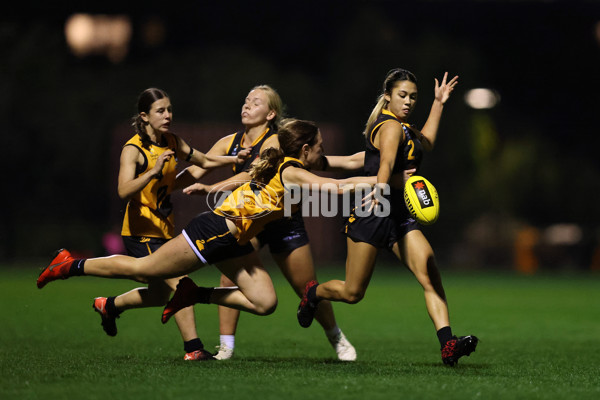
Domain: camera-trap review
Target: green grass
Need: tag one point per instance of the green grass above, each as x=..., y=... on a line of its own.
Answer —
x=540, y=339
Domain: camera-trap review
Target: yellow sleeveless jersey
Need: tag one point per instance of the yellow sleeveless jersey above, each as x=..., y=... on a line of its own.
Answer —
x=149, y=212
x=251, y=206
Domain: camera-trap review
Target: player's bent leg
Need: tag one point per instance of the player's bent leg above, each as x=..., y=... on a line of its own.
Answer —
x=298, y=268
x=255, y=293
x=360, y=262
x=156, y=294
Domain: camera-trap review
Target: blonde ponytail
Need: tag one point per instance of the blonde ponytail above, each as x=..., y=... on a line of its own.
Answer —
x=381, y=104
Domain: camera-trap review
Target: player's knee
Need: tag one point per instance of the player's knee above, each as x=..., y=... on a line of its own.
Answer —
x=354, y=296
x=424, y=280
x=266, y=305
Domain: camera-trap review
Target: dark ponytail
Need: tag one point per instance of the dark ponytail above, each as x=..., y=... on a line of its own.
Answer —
x=266, y=168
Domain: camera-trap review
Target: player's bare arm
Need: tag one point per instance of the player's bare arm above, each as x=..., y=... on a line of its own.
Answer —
x=388, y=140
x=300, y=176
x=346, y=163
x=128, y=183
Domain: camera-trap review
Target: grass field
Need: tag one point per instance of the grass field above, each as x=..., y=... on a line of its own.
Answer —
x=540, y=339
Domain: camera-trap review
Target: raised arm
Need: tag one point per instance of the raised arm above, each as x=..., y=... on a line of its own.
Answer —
x=442, y=94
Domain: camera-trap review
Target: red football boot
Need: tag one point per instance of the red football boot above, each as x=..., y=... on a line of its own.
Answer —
x=58, y=268
x=109, y=323
x=198, y=355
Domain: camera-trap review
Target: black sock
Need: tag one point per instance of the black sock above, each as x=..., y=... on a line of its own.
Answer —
x=311, y=295
x=77, y=267
x=111, y=309
x=444, y=335
x=193, y=345
x=203, y=295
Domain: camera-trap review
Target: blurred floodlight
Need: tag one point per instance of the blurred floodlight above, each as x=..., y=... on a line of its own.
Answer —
x=563, y=234
x=482, y=98
x=79, y=31
x=98, y=34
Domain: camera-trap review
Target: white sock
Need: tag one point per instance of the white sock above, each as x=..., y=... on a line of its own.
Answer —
x=333, y=332
x=228, y=340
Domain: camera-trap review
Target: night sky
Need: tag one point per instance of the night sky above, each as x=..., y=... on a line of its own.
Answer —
x=543, y=57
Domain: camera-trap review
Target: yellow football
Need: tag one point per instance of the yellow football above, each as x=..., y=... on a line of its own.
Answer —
x=422, y=200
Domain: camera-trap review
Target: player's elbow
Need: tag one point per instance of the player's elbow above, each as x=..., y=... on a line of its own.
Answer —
x=123, y=195
x=192, y=172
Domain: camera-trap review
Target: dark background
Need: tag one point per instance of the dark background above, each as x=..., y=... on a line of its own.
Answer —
x=524, y=166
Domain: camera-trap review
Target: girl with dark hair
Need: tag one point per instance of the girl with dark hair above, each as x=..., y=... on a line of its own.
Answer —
x=287, y=239
x=146, y=177
x=222, y=237
x=393, y=146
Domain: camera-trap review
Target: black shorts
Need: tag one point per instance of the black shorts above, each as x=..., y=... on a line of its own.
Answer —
x=284, y=235
x=211, y=240
x=381, y=232
x=140, y=246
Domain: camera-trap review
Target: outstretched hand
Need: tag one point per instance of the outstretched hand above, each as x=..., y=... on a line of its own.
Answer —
x=443, y=90
x=196, y=188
